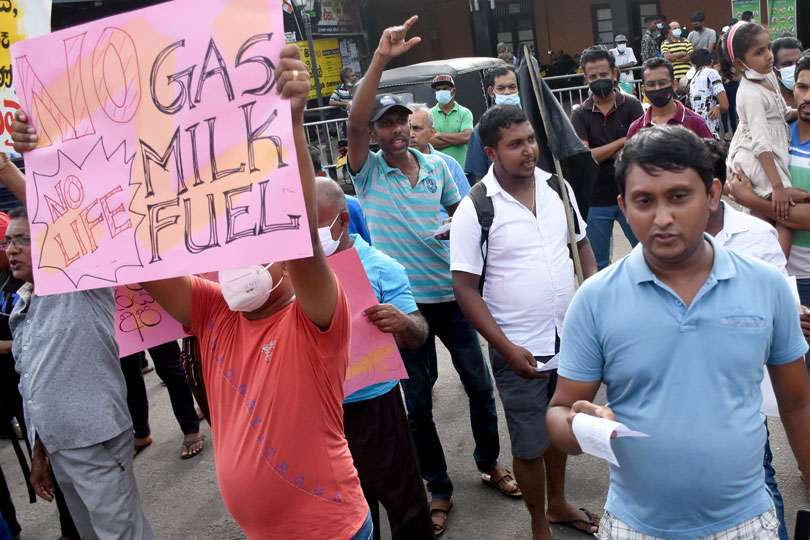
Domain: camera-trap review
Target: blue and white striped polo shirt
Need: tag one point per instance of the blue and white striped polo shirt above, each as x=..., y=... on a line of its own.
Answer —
x=402, y=220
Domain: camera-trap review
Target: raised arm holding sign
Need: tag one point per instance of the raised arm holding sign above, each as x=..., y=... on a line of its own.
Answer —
x=161, y=150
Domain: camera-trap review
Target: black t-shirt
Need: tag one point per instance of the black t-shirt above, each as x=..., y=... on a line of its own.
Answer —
x=8, y=298
x=8, y=377
x=599, y=130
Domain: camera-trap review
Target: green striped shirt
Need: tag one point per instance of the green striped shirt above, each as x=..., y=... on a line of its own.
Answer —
x=402, y=219
x=799, y=260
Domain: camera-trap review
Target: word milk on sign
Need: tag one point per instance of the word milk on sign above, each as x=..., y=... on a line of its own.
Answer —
x=164, y=147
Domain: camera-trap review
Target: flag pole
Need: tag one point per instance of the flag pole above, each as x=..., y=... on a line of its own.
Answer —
x=569, y=213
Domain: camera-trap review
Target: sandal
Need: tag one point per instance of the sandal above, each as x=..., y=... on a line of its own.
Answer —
x=141, y=443
x=580, y=525
x=439, y=512
x=192, y=447
x=505, y=483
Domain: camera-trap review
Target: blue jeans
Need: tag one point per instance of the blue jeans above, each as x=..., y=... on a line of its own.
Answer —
x=600, y=231
x=446, y=322
x=366, y=532
x=773, y=489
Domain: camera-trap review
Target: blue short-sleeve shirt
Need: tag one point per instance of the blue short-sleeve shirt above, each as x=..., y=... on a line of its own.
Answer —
x=457, y=173
x=357, y=219
x=477, y=163
x=390, y=284
x=690, y=378
x=402, y=219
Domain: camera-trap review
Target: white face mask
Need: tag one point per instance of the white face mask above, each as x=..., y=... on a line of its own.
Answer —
x=788, y=76
x=621, y=47
x=328, y=243
x=247, y=289
x=753, y=75
x=508, y=99
x=677, y=32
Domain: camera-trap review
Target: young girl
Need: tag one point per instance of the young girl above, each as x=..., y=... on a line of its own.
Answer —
x=760, y=147
x=707, y=96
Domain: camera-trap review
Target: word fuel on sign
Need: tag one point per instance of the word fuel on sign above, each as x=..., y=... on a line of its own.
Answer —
x=173, y=152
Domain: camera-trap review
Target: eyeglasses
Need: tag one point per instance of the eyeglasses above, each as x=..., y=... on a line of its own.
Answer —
x=656, y=85
x=19, y=241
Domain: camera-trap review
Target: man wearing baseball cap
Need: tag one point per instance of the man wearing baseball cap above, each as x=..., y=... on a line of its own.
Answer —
x=453, y=123
x=401, y=190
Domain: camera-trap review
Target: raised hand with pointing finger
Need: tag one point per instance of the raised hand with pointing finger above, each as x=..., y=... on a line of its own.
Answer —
x=393, y=42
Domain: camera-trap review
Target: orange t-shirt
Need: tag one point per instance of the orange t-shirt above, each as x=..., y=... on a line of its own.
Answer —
x=275, y=389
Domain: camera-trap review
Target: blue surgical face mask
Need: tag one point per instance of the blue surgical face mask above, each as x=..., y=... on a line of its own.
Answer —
x=677, y=32
x=444, y=96
x=788, y=76
x=508, y=99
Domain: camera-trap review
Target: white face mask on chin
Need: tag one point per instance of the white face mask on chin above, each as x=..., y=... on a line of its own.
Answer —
x=328, y=243
x=247, y=289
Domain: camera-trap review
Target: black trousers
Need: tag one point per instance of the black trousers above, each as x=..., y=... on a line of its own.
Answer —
x=166, y=358
x=385, y=459
x=11, y=407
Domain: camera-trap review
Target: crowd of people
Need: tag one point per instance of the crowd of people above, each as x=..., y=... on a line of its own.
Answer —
x=462, y=235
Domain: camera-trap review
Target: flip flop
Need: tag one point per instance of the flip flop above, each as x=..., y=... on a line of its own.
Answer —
x=186, y=451
x=440, y=508
x=586, y=525
x=140, y=447
x=501, y=483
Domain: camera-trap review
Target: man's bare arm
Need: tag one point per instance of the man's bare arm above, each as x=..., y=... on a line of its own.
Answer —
x=312, y=278
x=446, y=139
x=392, y=44
x=173, y=295
x=607, y=151
x=12, y=178
x=587, y=258
x=569, y=398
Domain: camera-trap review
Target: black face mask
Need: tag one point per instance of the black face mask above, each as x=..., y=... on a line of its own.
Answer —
x=602, y=87
x=660, y=98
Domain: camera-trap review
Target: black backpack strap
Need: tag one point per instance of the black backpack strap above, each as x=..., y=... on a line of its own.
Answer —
x=486, y=213
x=554, y=183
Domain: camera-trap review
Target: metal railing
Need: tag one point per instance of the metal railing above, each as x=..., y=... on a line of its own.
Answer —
x=330, y=137
x=326, y=136
x=572, y=96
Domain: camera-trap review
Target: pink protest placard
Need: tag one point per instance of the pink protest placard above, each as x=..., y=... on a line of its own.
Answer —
x=140, y=322
x=373, y=355
x=164, y=148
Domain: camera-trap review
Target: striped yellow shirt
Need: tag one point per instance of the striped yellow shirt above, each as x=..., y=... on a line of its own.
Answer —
x=676, y=47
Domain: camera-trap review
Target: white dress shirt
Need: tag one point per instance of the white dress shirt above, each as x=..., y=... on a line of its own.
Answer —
x=749, y=235
x=530, y=277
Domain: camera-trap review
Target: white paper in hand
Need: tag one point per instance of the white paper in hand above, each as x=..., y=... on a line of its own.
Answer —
x=594, y=435
x=769, y=405
x=444, y=228
x=553, y=363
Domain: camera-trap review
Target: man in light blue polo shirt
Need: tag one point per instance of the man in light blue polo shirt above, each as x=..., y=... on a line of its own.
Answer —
x=374, y=416
x=422, y=131
x=690, y=327
x=402, y=190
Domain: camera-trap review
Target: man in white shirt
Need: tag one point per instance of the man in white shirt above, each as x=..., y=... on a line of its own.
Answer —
x=528, y=283
x=625, y=59
x=748, y=235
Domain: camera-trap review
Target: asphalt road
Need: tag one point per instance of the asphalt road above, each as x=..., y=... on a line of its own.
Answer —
x=182, y=500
